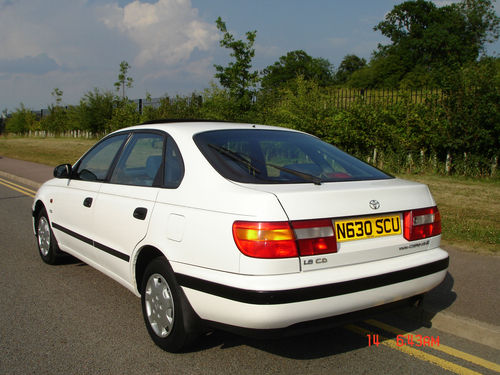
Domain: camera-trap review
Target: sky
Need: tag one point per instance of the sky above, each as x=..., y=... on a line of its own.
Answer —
x=171, y=45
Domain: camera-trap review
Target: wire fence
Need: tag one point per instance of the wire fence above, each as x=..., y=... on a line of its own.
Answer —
x=345, y=97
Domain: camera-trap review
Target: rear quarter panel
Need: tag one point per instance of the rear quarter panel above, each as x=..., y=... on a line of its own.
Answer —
x=193, y=223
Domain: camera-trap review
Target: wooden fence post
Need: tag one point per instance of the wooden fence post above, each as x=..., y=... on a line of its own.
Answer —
x=448, y=163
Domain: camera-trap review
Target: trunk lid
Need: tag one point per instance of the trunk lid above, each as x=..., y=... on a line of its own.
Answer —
x=353, y=204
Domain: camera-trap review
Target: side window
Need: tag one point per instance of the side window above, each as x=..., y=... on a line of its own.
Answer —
x=95, y=165
x=140, y=162
x=174, y=166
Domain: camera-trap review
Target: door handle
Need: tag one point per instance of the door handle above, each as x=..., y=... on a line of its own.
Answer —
x=140, y=213
x=87, y=202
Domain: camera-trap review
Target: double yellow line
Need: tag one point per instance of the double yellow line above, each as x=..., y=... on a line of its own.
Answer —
x=420, y=354
x=18, y=188
x=391, y=343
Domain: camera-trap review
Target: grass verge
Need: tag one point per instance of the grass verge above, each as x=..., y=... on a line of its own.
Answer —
x=469, y=207
x=469, y=211
x=49, y=151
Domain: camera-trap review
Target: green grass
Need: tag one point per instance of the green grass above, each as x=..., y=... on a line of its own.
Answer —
x=49, y=151
x=470, y=208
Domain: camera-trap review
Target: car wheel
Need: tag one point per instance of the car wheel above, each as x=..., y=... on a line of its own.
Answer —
x=47, y=244
x=167, y=314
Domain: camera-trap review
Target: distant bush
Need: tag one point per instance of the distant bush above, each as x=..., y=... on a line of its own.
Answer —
x=22, y=121
x=452, y=130
x=124, y=114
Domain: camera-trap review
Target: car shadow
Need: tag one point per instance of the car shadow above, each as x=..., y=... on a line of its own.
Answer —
x=441, y=297
x=67, y=259
x=341, y=339
x=434, y=301
x=306, y=346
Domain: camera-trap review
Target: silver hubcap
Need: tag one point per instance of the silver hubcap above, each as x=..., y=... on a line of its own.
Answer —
x=159, y=305
x=44, y=235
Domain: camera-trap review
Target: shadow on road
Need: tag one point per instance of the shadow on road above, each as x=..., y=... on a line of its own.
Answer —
x=340, y=340
x=67, y=259
x=441, y=297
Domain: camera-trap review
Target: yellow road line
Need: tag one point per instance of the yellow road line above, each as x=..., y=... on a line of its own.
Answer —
x=445, y=349
x=415, y=353
x=19, y=188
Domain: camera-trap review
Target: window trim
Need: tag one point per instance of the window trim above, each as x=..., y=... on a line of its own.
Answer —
x=130, y=133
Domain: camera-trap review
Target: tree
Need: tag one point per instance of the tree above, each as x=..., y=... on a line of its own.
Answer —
x=428, y=39
x=95, y=111
x=21, y=121
x=294, y=64
x=483, y=24
x=237, y=77
x=3, y=116
x=56, y=121
x=473, y=110
x=349, y=64
x=57, y=94
x=124, y=114
x=124, y=80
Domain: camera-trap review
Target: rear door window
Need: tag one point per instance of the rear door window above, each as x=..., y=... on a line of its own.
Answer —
x=141, y=161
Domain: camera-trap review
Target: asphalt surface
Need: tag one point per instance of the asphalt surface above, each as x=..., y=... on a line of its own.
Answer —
x=73, y=319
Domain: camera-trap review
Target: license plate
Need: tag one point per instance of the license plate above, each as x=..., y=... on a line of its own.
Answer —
x=369, y=227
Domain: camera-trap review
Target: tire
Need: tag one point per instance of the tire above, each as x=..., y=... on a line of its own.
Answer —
x=47, y=244
x=169, y=318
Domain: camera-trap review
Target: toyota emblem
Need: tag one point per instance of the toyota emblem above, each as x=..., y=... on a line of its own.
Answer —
x=374, y=204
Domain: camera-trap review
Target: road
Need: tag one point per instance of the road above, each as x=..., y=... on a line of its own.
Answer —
x=71, y=319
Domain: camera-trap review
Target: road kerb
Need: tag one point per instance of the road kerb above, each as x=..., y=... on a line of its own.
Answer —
x=467, y=328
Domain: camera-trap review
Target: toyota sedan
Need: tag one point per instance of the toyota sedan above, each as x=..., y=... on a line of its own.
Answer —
x=245, y=227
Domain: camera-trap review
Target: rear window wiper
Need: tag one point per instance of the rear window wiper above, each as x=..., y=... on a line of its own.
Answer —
x=302, y=175
x=235, y=156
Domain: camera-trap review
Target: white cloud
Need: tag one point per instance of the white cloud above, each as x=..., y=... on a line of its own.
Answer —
x=66, y=31
x=167, y=31
x=16, y=41
x=78, y=45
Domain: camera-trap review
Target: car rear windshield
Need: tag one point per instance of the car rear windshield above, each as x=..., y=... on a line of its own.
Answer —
x=279, y=157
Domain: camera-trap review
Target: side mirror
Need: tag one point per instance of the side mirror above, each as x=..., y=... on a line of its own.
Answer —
x=62, y=171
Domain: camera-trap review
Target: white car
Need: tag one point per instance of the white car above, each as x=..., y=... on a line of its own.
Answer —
x=247, y=227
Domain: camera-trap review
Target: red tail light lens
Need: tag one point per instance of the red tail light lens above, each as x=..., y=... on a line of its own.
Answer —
x=282, y=240
x=315, y=237
x=265, y=240
x=422, y=223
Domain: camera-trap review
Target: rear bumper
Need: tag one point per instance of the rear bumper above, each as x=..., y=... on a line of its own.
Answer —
x=279, y=301
x=320, y=324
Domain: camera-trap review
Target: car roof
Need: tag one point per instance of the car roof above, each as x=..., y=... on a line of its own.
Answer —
x=197, y=126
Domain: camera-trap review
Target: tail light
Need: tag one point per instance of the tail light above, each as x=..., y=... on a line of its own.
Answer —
x=315, y=237
x=422, y=223
x=284, y=239
x=265, y=240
